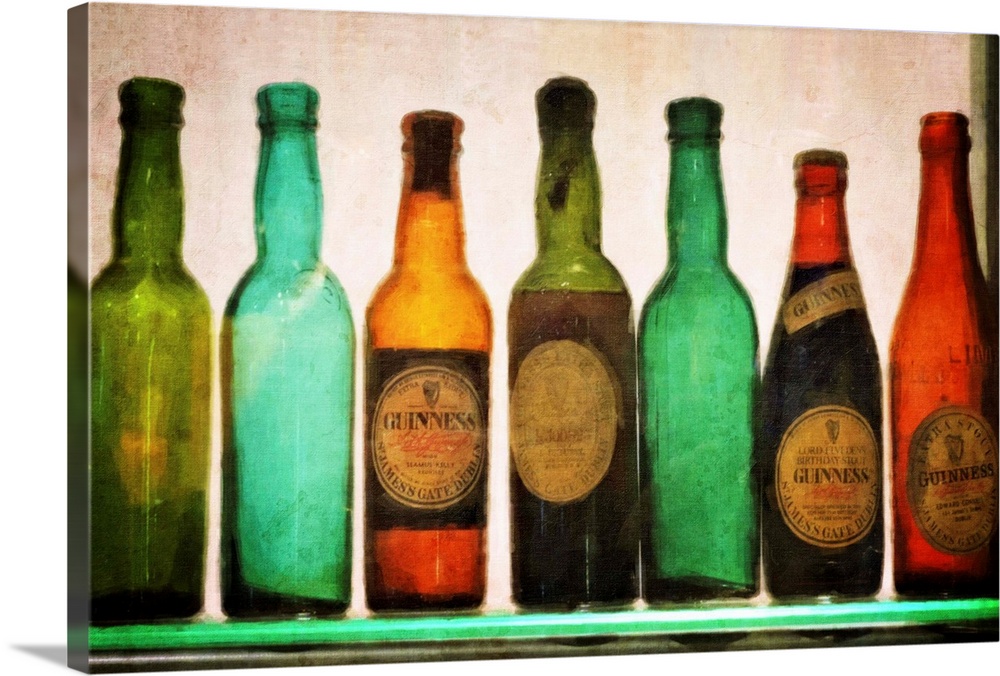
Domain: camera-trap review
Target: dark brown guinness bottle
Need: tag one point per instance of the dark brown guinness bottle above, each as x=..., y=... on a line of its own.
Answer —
x=820, y=447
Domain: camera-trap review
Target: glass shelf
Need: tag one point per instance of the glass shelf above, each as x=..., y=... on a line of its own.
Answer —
x=214, y=644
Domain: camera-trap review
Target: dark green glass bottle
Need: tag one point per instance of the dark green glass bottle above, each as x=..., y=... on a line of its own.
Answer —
x=819, y=455
x=76, y=370
x=288, y=384
x=698, y=384
x=151, y=382
x=77, y=483
x=573, y=469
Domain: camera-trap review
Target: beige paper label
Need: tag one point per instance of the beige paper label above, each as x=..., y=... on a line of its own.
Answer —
x=829, y=296
x=951, y=480
x=827, y=477
x=563, y=421
x=428, y=440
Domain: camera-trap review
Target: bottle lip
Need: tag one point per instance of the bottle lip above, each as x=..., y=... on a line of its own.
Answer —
x=287, y=104
x=820, y=157
x=565, y=104
x=432, y=123
x=944, y=131
x=693, y=117
x=820, y=172
x=945, y=117
x=150, y=102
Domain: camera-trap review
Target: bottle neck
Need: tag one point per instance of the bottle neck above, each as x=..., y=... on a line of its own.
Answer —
x=945, y=238
x=568, y=195
x=149, y=205
x=820, y=230
x=696, y=206
x=288, y=198
x=430, y=233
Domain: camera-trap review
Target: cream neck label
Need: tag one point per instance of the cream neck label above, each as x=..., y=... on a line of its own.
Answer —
x=831, y=295
x=428, y=437
x=951, y=480
x=563, y=421
x=827, y=477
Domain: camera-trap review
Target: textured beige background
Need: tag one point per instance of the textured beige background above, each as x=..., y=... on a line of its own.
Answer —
x=784, y=90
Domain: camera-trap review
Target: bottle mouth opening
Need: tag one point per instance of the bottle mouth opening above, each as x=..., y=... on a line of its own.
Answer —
x=944, y=131
x=287, y=105
x=565, y=105
x=432, y=130
x=945, y=117
x=151, y=102
x=820, y=157
x=820, y=172
x=693, y=118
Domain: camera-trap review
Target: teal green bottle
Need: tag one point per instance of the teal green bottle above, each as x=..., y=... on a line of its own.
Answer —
x=151, y=370
x=698, y=383
x=288, y=384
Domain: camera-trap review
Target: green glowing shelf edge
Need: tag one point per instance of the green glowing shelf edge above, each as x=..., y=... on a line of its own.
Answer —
x=511, y=626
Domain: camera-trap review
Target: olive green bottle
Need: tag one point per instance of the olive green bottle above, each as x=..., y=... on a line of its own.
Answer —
x=698, y=364
x=572, y=373
x=150, y=385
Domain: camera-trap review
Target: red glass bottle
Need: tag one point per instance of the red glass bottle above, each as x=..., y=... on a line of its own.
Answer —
x=943, y=398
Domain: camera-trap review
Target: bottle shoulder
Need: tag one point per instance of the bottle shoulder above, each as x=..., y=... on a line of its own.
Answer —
x=701, y=280
x=289, y=292
x=831, y=353
x=820, y=300
x=936, y=308
x=703, y=297
x=572, y=271
x=833, y=363
x=413, y=310
x=164, y=287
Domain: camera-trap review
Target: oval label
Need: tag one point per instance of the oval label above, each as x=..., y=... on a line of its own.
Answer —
x=951, y=480
x=827, y=476
x=563, y=421
x=428, y=437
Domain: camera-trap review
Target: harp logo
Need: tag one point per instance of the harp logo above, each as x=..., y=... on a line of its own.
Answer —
x=832, y=430
x=956, y=447
x=432, y=390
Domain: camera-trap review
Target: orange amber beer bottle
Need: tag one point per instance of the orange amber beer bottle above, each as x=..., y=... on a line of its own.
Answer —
x=429, y=335
x=943, y=399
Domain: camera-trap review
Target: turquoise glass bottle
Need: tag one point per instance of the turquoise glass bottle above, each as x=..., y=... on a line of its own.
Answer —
x=288, y=383
x=151, y=360
x=698, y=361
